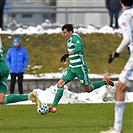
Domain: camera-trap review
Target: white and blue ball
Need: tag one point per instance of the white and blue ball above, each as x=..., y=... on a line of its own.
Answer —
x=44, y=109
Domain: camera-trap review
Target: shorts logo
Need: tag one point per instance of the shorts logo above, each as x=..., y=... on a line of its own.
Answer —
x=78, y=41
x=65, y=73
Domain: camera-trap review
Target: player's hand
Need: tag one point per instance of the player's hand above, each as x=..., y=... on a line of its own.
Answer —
x=112, y=56
x=63, y=58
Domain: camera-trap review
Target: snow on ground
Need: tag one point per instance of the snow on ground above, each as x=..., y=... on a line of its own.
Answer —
x=104, y=94
x=49, y=28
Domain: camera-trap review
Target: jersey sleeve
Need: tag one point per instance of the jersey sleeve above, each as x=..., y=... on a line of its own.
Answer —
x=77, y=44
x=125, y=25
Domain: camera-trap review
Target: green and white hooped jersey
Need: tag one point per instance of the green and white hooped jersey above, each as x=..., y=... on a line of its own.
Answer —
x=2, y=51
x=75, y=44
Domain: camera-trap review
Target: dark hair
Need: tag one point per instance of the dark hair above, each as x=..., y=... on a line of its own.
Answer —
x=68, y=27
x=127, y=2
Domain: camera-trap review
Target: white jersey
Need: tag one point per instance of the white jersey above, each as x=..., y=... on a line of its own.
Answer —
x=126, y=24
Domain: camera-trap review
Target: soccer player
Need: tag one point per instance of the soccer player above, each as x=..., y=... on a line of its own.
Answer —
x=77, y=67
x=11, y=98
x=126, y=77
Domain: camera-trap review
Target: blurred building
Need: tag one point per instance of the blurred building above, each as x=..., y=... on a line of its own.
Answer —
x=95, y=13
x=29, y=12
x=33, y=12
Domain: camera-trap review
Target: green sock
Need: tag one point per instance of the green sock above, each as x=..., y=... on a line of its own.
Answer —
x=58, y=96
x=98, y=84
x=13, y=98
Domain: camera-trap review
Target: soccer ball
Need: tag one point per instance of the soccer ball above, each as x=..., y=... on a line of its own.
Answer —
x=44, y=109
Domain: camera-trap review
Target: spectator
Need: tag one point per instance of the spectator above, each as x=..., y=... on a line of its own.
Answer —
x=16, y=59
x=114, y=8
x=2, y=3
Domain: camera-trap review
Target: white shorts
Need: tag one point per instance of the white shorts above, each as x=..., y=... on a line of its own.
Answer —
x=128, y=83
x=126, y=75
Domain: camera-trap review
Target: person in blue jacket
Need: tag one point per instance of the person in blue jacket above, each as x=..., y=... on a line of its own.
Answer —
x=17, y=60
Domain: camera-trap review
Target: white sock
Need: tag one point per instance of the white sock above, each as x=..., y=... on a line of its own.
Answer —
x=119, y=110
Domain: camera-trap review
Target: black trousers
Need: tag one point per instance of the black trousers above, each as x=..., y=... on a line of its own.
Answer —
x=1, y=16
x=13, y=81
x=114, y=14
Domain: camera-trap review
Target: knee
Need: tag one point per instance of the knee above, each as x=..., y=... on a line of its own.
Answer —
x=60, y=84
x=2, y=95
x=1, y=101
x=87, y=89
x=120, y=90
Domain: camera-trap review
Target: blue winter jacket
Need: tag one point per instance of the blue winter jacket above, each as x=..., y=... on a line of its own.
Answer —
x=17, y=59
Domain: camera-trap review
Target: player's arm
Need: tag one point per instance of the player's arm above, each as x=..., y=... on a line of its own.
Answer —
x=78, y=46
x=63, y=58
x=77, y=49
x=127, y=38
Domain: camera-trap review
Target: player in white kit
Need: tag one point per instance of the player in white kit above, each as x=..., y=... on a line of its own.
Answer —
x=126, y=77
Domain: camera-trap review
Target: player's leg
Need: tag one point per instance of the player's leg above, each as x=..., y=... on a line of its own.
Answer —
x=2, y=95
x=11, y=98
x=13, y=81
x=59, y=92
x=119, y=106
x=67, y=76
x=82, y=74
x=2, y=92
x=58, y=95
x=94, y=85
x=98, y=84
x=4, y=72
x=123, y=85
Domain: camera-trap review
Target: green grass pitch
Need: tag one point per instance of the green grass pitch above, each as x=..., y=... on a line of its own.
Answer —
x=69, y=118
